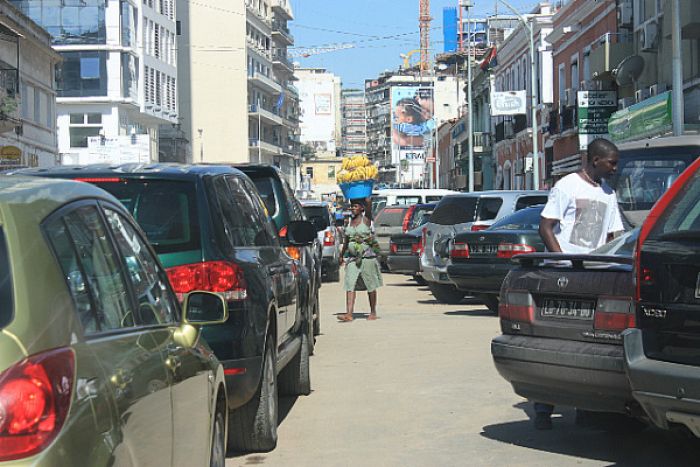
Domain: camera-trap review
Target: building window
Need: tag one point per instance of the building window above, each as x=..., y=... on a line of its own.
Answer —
x=76, y=22
x=83, y=74
x=37, y=105
x=310, y=172
x=331, y=172
x=83, y=126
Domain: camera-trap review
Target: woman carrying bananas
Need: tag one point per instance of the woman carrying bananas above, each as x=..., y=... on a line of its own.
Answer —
x=359, y=254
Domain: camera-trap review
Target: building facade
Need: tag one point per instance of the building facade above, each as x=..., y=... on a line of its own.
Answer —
x=353, y=124
x=320, y=101
x=27, y=92
x=117, y=82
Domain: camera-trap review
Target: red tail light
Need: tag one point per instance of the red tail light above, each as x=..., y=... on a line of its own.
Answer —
x=35, y=396
x=416, y=248
x=516, y=306
x=614, y=314
x=100, y=179
x=407, y=218
x=211, y=276
x=508, y=250
x=328, y=239
x=283, y=232
x=479, y=227
x=294, y=252
x=393, y=247
x=459, y=250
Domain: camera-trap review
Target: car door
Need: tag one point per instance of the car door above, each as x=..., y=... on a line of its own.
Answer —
x=128, y=352
x=189, y=369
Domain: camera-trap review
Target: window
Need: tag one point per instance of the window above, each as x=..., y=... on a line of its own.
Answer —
x=24, y=94
x=574, y=73
x=391, y=217
x=6, y=299
x=79, y=135
x=83, y=74
x=454, y=210
x=156, y=303
x=331, y=172
x=92, y=269
x=310, y=172
x=37, y=105
x=50, y=119
x=488, y=208
x=527, y=201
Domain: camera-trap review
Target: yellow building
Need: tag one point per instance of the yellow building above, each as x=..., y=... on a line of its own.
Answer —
x=319, y=174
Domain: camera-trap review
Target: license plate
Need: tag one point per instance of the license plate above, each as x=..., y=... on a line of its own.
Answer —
x=483, y=249
x=403, y=248
x=567, y=309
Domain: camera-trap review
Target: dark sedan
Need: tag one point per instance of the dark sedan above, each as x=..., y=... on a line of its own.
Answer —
x=404, y=248
x=562, y=318
x=481, y=260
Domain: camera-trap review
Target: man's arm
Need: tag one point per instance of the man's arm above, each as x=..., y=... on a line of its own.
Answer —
x=547, y=234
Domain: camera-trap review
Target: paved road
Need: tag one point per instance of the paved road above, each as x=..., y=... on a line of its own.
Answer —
x=417, y=388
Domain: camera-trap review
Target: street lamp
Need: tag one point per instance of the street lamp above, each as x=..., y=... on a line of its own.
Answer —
x=533, y=97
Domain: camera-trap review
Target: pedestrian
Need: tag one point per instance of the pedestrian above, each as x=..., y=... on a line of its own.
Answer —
x=581, y=214
x=359, y=254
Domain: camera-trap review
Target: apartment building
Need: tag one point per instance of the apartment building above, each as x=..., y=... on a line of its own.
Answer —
x=353, y=124
x=117, y=82
x=27, y=92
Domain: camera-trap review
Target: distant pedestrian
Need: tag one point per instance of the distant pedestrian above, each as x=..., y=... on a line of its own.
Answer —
x=581, y=214
x=359, y=254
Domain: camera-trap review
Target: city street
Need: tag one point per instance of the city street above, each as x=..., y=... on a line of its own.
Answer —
x=417, y=388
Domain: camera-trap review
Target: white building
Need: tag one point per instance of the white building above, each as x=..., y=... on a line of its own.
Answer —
x=27, y=92
x=320, y=101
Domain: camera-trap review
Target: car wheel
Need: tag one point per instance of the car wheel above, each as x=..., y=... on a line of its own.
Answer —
x=295, y=378
x=446, y=293
x=253, y=427
x=218, y=441
x=419, y=280
x=309, y=329
x=317, y=317
x=491, y=302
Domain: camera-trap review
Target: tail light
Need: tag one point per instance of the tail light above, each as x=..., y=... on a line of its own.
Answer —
x=294, y=252
x=516, y=306
x=416, y=247
x=614, y=314
x=407, y=218
x=99, y=179
x=508, y=250
x=211, y=276
x=393, y=247
x=479, y=227
x=283, y=232
x=328, y=239
x=35, y=396
x=423, y=240
x=459, y=250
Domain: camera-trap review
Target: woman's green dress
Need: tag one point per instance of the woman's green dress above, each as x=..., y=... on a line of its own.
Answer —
x=362, y=270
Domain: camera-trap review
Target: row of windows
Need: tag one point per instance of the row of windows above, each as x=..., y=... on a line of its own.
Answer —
x=159, y=42
x=160, y=89
x=164, y=7
x=37, y=106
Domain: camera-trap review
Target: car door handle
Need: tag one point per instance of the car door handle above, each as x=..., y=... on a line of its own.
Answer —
x=173, y=363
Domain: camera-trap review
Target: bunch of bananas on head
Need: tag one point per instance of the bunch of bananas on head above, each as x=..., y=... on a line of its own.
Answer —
x=355, y=169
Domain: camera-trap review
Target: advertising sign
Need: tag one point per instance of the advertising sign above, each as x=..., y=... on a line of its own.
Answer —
x=647, y=118
x=412, y=125
x=322, y=104
x=508, y=103
x=594, y=111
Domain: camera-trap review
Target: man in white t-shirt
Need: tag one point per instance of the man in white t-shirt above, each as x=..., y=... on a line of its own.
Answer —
x=581, y=214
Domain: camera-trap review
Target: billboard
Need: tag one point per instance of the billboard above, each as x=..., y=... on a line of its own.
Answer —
x=412, y=125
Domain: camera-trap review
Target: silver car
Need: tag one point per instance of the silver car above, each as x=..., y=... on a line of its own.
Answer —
x=460, y=213
x=320, y=214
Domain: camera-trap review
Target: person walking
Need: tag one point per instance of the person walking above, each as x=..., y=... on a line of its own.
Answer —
x=359, y=254
x=581, y=214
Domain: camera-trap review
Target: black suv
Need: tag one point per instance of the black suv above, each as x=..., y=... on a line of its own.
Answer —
x=211, y=232
x=284, y=208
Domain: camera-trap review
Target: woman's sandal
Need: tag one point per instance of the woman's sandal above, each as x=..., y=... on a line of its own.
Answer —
x=345, y=318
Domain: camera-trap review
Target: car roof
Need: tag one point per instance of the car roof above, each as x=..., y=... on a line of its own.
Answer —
x=46, y=195
x=167, y=169
x=499, y=193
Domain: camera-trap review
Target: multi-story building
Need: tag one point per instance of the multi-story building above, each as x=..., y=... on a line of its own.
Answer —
x=320, y=101
x=353, y=124
x=238, y=103
x=27, y=92
x=117, y=82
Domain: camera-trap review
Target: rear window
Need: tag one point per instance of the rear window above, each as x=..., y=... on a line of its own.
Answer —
x=318, y=215
x=526, y=219
x=267, y=193
x=454, y=210
x=6, y=301
x=166, y=211
x=421, y=215
x=404, y=200
x=391, y=217
x=682, y=217
x=527, y=201
x=433, y=199
x=642, y=182
x=489, y=207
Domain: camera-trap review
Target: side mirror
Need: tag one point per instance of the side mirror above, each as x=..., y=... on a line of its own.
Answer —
x=203, y=308
x=301, y=233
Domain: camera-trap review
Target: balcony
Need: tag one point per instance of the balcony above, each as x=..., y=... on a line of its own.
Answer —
x=283, y=8
x=264, y=147
x=293, y=91
x=482, y=142
x=281, y=61
x=258, y=17
x=265, y=115
x=279, y=31
x=605, y=58
x=260, y=50
x=264, y=82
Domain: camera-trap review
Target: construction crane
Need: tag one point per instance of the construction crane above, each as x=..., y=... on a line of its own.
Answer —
x=305, y=52
x=424, y=22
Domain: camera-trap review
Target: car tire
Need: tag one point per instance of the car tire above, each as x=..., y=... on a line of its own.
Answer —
x=491, y=302
x=317, y=317
x=419, y=280
x=295, y=378
x=446, y=293
x=309, y=330
x=253, y=427
x=217, y=457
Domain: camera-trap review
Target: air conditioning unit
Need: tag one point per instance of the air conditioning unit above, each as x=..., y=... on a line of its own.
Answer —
x=648, y=35
x=626, y=13
x=641, y=94
x=625, y=102
x=657, y=88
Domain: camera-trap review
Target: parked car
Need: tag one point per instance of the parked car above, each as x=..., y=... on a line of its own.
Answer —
x=481, y=260
x=405, y=248
x=463, y=213
x=407, y=196
x=329, y=239
x=98, y=360
x=284, y=208
x=211, y=231
x=389, y=221
x=561, y=318
x=662, y=353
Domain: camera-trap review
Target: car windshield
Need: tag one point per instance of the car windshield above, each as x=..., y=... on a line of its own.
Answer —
x=454, y=210
x=525, y=219
x=390, y=217
x=681, y=219
x=318, y=215
x=6, y=302
x=166, y=211
x=621, y=246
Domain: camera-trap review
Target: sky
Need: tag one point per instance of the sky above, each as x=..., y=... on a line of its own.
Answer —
x=381, y=30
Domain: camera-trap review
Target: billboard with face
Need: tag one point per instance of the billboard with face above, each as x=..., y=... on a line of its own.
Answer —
x=412, y=125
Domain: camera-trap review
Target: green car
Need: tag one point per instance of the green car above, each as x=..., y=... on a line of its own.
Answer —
x=98, y=366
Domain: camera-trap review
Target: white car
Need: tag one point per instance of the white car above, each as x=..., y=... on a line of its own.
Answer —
x=320, y=214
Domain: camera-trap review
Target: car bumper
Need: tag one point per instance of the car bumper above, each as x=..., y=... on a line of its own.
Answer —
x=484, y=278
x=403, y=264
x=561, y=372
x=668, y=392
x=241, y=387
x=435, y=274
x=330, y=253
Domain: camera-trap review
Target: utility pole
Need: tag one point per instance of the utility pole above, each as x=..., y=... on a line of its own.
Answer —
x=470, y=124
x=677, y=105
